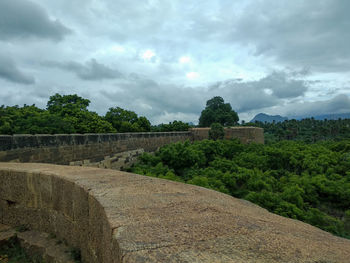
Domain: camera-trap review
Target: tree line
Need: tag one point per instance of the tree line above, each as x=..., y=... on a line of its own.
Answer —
x=69, y=114
x=308, y=130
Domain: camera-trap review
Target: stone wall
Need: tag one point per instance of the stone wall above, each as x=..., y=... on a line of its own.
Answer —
x=67, y=148
x=118, y=217
x=244, y=134
x=119, y=161
x=63, y=149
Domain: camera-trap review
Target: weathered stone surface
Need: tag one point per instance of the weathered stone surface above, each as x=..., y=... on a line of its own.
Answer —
x=121, y=217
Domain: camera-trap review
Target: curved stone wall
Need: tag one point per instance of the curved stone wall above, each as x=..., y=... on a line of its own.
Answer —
x=115, y=216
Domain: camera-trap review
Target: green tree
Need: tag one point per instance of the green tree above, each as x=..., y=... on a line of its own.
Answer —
x=31, y=120
x=172, y=126
x=127, y=121
x=144, y=124
x=217, y=111
x=67, y=105
x=216, y=132
x=73, y=109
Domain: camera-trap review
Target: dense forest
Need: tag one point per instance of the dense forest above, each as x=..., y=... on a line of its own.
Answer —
x=70, y=114
x=307, y=130
x=308, y=182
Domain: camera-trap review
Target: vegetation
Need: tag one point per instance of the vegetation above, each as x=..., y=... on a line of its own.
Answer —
x=216, y=131
x=217, y=111
x=307, y=130
x=127, y=121
x=308, y=182
x=172, y=126
x=68, y=114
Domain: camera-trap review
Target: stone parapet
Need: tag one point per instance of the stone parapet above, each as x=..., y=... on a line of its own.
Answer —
x=244, y=134
x=116, y=217
x=66, y=148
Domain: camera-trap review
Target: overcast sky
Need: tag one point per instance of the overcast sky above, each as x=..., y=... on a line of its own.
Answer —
x=165, y=58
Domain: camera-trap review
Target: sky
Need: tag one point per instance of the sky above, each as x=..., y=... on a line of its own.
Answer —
x=164, y=59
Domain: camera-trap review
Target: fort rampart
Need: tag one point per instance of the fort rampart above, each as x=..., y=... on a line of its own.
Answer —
x=67, y=148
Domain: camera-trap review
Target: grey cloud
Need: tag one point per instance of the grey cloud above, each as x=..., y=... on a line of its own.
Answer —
x=91, y=70
x=154, y=99
x=338, y=104
x=298, y=33
x=282, y=86
x=251, y=95
x=10, y=72
x=25, y=19
x=147, y=95
x=243, y=96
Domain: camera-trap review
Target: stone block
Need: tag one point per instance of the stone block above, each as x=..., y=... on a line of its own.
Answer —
x=6, y=142
x=46, y=140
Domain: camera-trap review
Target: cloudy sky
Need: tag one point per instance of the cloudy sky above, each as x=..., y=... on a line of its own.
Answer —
x=165, y=58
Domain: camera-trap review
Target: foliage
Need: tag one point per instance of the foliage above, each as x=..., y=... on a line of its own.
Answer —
x=73, y=109
x=68, y=114
x=172, y=126
x=308, y=182
x=67, y=105
x=216, y=131
x=217, y=111
x=127, y=121
x=31, y=120
x=307, y=130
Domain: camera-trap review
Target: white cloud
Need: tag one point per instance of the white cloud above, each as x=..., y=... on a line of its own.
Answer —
x=192, y=75
x=185, y=60
x=118, y=48
x=148, y=55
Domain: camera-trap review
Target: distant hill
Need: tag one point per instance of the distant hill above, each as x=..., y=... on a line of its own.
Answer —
x=268, y=118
